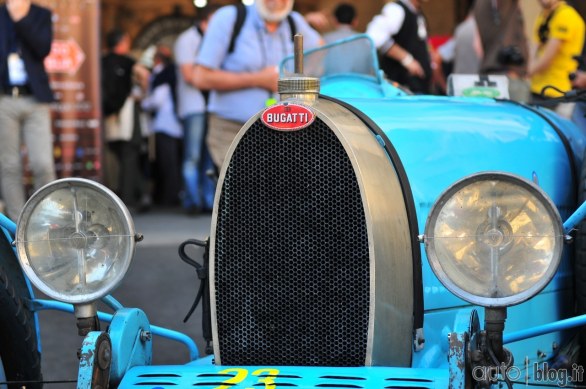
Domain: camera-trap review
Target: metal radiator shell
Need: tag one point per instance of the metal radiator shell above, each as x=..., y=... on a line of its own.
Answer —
x=390, y=312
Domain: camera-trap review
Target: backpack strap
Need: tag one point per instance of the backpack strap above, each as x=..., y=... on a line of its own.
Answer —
x=199, y=30
x=543, y=30
x=292, y=27
x=241, y=15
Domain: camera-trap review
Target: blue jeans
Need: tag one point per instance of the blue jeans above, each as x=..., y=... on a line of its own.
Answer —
x=579, y=116
x=199, y=188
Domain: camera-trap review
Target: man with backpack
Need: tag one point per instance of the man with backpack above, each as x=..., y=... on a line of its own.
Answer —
x=124, y=133
x=191, y=109
x=559, y=37
x=240, y=69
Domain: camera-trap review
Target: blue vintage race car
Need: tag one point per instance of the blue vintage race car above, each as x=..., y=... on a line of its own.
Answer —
x=361, y=237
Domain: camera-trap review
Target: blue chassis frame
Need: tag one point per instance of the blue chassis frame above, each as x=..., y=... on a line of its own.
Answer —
x=131, y=349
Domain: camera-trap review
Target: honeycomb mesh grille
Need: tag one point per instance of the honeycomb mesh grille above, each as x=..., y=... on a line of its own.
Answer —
x=291, y=262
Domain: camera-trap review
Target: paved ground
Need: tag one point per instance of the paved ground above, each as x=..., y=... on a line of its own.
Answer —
x=164, y=227
x=158, y=283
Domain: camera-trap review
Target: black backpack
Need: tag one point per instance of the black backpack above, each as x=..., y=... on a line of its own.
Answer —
x=116, y=82
x=241, y=15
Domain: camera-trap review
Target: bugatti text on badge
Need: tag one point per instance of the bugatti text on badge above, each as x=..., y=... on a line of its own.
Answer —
x=287, y=117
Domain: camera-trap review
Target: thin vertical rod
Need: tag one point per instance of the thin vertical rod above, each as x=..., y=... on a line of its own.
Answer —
x=298, y=51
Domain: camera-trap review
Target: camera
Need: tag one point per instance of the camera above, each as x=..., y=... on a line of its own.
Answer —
x=511, y=55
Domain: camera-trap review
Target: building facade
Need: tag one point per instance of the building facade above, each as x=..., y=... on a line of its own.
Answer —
x=152, y=21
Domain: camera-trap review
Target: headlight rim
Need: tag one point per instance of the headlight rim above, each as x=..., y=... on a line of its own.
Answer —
x=24, y=260
x=492, y=302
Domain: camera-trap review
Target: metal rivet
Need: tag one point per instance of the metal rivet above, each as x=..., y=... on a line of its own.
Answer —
x=145, y=336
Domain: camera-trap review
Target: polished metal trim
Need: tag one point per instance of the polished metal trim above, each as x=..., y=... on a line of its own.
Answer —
x=23, y=220
x=391, y=267
x=533, y=189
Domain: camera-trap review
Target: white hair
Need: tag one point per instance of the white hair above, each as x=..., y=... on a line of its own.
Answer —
x=273, y=16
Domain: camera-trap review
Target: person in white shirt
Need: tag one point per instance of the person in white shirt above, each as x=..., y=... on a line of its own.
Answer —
x=399, y=33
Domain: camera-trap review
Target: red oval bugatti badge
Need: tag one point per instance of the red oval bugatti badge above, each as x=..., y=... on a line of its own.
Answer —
x=287, y=117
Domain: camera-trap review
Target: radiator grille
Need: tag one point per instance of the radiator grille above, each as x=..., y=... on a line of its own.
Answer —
x=291, y=252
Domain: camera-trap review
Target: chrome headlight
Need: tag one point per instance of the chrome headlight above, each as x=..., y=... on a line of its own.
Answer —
x=494, y=239
x=75, y=240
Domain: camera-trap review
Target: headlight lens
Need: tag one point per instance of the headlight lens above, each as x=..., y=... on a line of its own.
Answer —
x=75, y=240
x=494, y=239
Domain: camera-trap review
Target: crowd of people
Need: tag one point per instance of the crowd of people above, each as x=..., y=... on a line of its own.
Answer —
x=197, y=97
x=169, y=124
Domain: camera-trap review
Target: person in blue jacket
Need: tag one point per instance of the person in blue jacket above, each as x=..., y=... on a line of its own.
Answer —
x=26, y=34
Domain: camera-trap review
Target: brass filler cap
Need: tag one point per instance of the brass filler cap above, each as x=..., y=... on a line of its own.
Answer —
x=298, y=85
